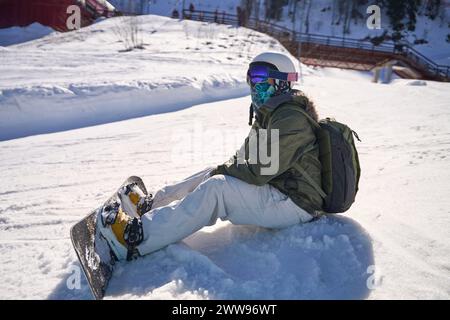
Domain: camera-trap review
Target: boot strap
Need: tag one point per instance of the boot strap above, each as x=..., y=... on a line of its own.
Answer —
x=133, y=236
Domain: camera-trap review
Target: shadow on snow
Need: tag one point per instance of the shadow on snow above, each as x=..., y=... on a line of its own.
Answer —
x=325, y=259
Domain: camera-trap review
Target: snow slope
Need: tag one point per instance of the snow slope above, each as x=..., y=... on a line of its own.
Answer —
x=45, y=195
x=67, y=80
x=51, y=181
x=321, y=15
x=398, y=228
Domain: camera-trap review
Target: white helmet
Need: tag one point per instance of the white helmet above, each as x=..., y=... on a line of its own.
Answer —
x=280, y=60
x=265, y=66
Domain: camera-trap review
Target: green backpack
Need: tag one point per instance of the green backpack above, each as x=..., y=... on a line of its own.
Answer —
x=340, y=164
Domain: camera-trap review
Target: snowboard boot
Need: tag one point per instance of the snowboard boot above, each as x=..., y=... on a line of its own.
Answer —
x=122, y=232
x=134, y=201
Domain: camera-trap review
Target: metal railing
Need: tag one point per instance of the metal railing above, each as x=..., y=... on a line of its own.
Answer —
x=415, y=56
x=283, y=34
x=345, y=42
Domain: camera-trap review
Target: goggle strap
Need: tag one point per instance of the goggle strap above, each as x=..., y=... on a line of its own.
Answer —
x=286, y=76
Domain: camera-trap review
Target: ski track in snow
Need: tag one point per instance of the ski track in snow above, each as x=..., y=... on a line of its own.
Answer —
x=400, y=222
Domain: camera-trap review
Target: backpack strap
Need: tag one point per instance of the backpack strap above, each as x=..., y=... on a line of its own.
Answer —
x=314, y=123
x=299, y=168
x=310, y=180
x=274, y=103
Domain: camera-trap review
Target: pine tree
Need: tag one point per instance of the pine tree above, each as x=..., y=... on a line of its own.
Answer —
x=432, y=8
x=395, y=10
x=411, y=10
x=399, y=12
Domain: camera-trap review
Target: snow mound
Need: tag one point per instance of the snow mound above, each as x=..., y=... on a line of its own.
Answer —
x=326, y=259
x=16, y=35
x=46, y=109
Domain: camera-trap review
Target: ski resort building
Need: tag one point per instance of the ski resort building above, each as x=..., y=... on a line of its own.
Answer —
x=51, y=13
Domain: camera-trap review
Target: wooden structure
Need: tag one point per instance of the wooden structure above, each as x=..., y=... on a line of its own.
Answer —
x=327, y=51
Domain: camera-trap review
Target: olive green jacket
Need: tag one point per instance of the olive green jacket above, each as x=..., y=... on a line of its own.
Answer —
x=297, y=147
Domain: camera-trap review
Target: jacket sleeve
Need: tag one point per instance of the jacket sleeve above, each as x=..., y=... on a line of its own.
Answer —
x=295, y=135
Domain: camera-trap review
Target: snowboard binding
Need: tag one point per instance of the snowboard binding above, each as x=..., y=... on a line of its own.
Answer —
x=95, y=242
x=133, y=202
x=133, y=236
x=109, y=213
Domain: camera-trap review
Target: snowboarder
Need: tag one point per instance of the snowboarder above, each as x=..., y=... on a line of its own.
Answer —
x=237, y=191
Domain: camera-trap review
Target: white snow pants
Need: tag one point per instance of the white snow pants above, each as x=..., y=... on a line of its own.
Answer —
x=181, y=209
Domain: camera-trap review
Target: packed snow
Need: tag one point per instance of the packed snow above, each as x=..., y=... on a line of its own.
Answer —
x=393, y=243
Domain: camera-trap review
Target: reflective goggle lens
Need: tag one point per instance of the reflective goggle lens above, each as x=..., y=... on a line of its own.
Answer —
x=257, y=74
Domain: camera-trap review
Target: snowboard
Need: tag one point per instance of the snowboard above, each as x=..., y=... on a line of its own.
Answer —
x=96, y=258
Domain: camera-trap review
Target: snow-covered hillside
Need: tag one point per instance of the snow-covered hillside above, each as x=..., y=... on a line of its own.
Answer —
x=323, y=18
x=70, y=80
x=393, y=243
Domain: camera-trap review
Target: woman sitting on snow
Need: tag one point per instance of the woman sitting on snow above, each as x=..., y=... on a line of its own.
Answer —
x=244, y=190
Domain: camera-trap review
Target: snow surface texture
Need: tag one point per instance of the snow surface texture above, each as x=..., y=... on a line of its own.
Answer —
x=82, y=78
x=399, y=226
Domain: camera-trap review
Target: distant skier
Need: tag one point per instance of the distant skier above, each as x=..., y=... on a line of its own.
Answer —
x=241, y=191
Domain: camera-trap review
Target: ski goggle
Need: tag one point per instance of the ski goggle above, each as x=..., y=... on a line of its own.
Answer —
x=259, y=72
